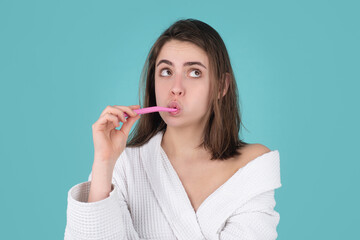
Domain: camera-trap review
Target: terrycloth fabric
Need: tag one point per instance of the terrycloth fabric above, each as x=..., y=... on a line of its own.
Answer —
x=149, y=202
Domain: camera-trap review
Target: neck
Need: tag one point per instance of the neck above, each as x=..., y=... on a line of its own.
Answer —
x=182, y=144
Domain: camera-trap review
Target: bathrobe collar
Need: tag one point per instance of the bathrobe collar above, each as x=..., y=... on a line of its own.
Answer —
x=259, y=175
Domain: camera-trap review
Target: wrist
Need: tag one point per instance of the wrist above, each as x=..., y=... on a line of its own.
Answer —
x=103, y=164
x=102, y=173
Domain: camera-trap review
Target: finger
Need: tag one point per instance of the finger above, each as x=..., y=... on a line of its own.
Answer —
x=134, y=106
x=126, y=127
x=119, y=111
x=116, y=112
x=129, y=110
x=108, y=109
x=109, y=118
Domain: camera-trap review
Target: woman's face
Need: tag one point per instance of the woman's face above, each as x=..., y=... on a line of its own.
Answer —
x=182, y=80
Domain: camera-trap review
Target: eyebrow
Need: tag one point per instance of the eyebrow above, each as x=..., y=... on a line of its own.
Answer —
x=185, y=64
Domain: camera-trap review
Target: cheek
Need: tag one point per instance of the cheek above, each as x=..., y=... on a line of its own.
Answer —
x=207, y=97
x=160, y=90
x=157, y=86
x=202, y=91
x=201, y=98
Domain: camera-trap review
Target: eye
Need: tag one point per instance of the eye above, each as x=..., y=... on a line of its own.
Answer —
x=165, y=70
x=197, y=73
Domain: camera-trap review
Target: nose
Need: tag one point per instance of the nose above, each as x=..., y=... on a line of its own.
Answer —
x=176, y=91
x=177, y=88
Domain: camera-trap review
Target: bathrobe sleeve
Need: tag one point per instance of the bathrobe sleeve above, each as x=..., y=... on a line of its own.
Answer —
x=105, y=219
x=256, y=219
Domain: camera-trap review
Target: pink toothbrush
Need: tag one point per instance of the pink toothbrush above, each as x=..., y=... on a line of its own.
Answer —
x=152, y=109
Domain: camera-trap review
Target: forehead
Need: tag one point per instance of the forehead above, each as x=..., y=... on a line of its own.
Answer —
x=182, y=51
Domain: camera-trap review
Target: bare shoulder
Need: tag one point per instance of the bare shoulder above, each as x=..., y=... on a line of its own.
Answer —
x=251, y=152
x=257, y=149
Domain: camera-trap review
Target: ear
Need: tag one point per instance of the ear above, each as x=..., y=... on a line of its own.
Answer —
x=227, y=80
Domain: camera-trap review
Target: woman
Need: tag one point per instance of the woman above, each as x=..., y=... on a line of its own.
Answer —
x=181, y=175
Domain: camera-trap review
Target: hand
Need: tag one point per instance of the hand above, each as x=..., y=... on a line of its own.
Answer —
x=109, y=142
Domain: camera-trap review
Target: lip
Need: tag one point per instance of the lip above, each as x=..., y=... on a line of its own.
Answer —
x=176, y=105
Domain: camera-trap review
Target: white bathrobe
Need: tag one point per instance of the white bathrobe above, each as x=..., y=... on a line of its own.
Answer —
x=149, y=202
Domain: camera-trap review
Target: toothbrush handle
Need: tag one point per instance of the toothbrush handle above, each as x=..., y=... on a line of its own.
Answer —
x=152, y=109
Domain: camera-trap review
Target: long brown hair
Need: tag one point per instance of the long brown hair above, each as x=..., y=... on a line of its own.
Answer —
x=221, y=133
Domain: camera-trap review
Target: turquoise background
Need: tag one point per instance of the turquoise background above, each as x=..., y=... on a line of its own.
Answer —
x=297, y=68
